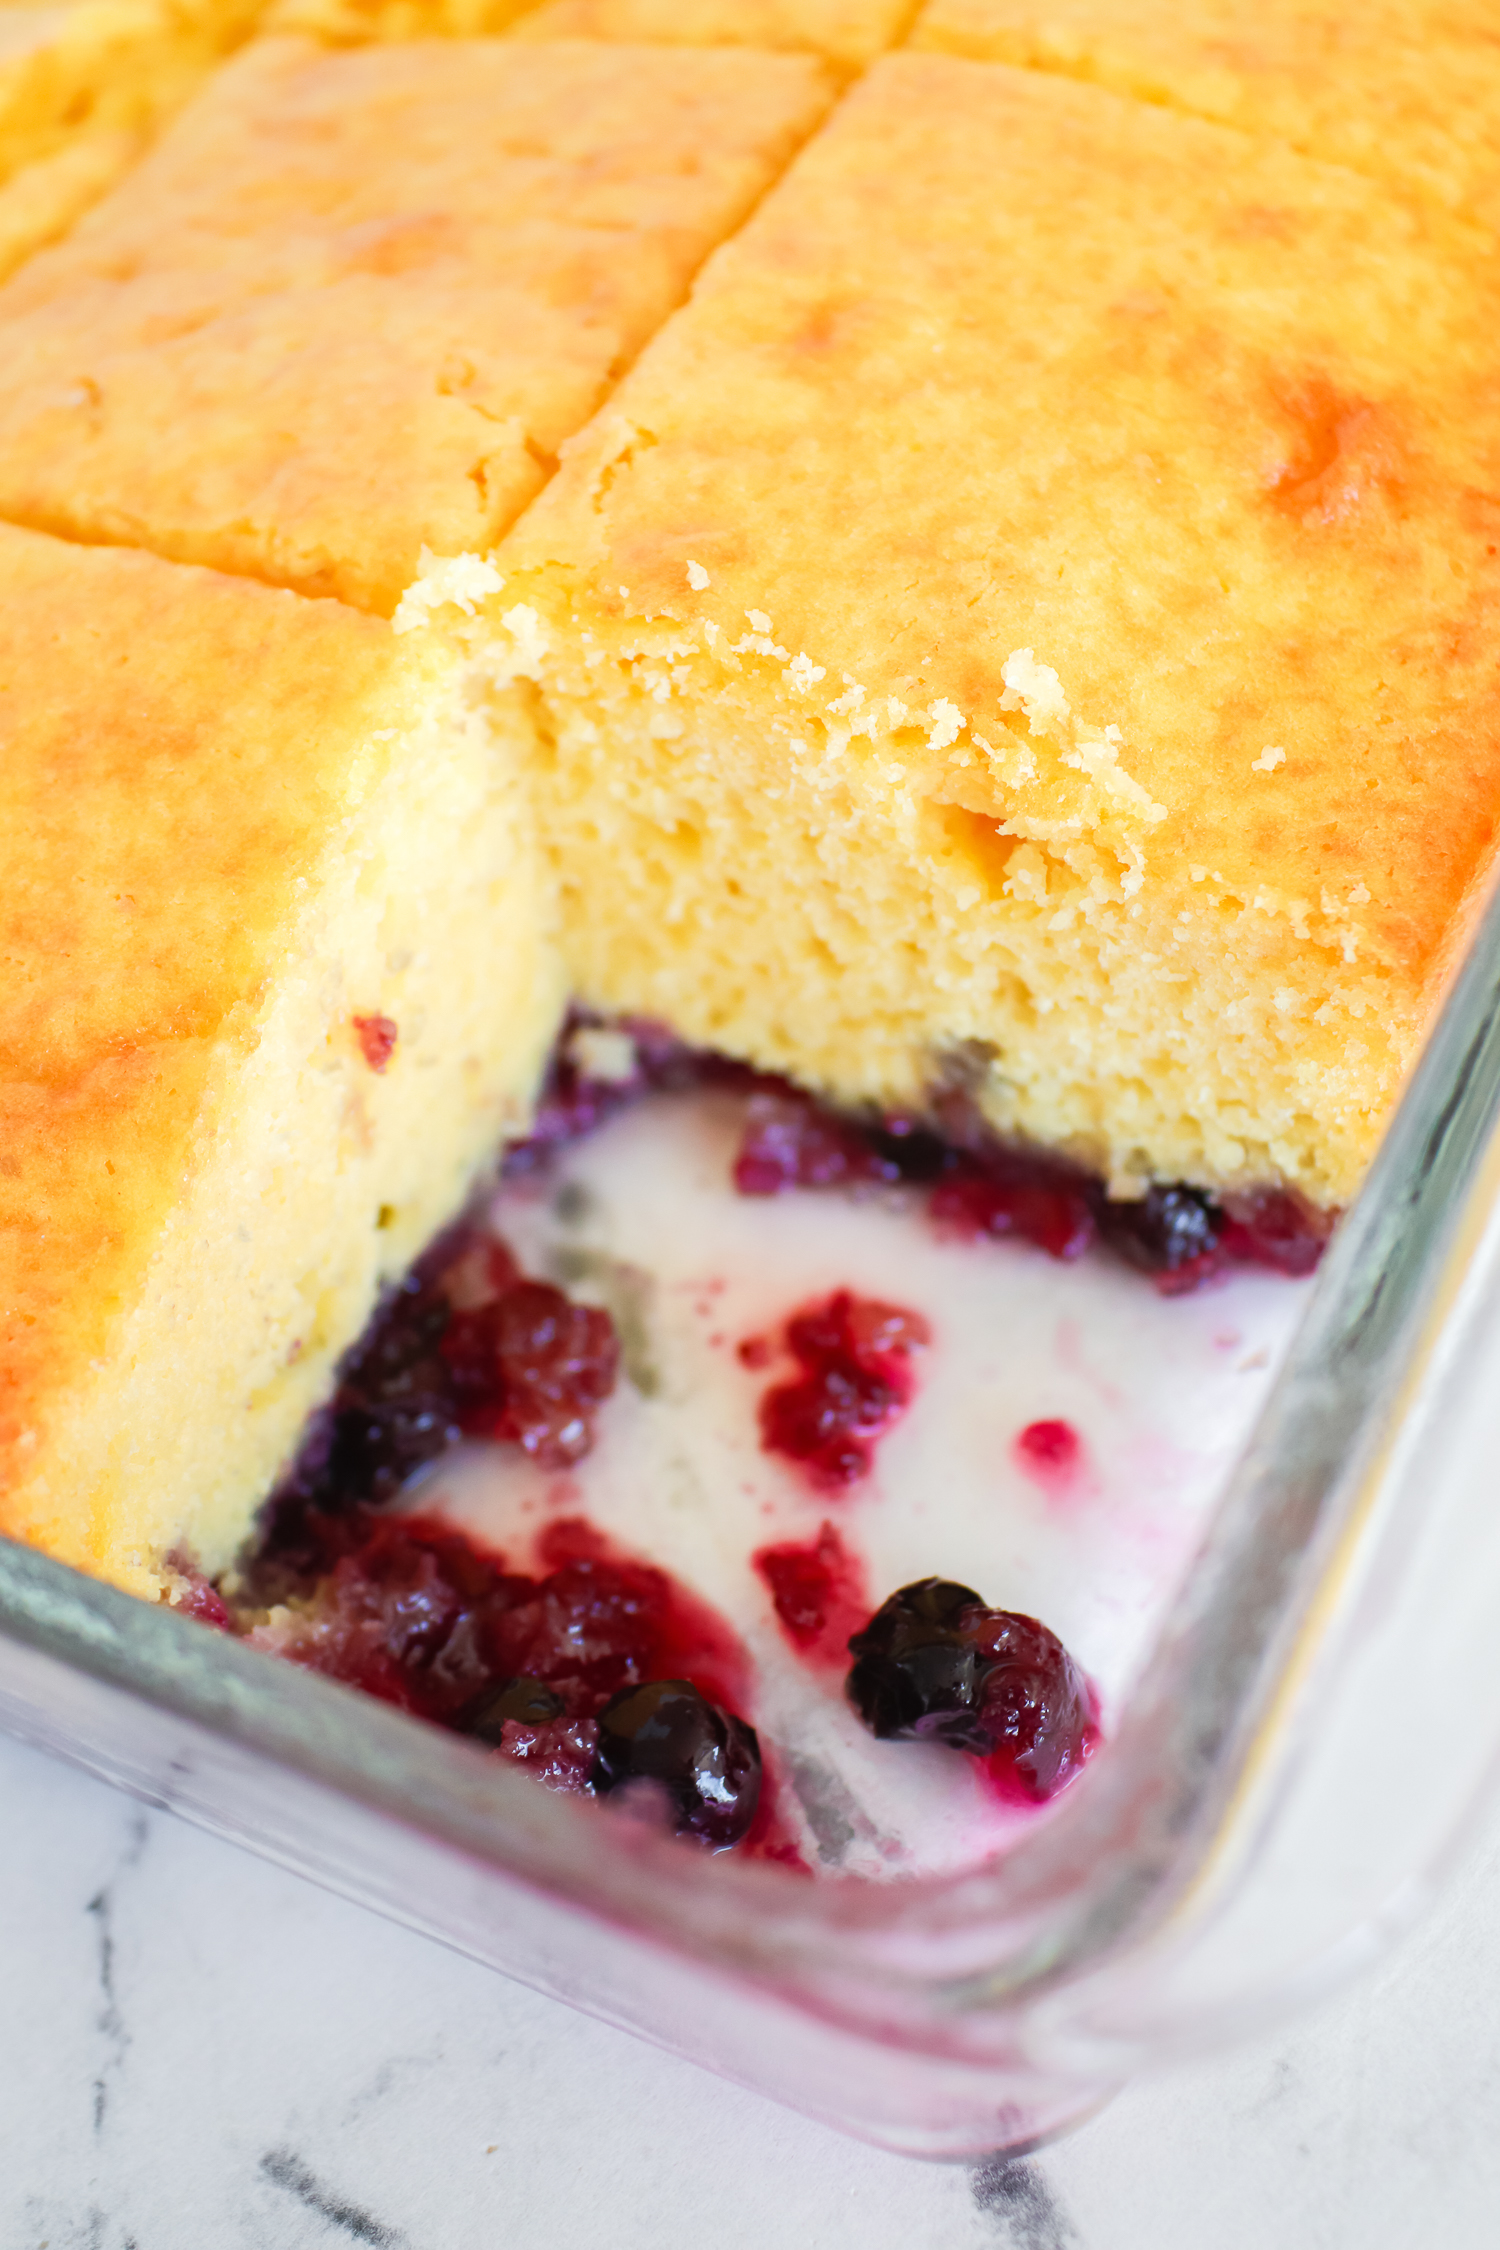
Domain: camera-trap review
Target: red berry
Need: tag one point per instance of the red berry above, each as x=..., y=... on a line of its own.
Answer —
x=377, y=1040
x=816, y=1590
x=855, y=1360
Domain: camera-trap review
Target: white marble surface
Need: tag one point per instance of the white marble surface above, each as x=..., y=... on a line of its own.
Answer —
x=201, y=2051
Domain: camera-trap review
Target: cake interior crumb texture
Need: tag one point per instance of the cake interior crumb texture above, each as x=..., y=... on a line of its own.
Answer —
x=233, y=822
x=352, y=303
x=82, y=89
x=1406, y=90
x=1034, y=603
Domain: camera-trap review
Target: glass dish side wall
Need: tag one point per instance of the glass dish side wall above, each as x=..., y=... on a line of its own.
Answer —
x=1242, y=1835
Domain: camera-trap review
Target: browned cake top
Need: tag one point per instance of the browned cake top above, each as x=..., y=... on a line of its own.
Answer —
x=175, y=749
x=1007, y=364
x=353, y=303
x=847, y=31
x=1407, y=90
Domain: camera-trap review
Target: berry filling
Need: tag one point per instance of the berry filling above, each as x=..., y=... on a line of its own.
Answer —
x=539, y=1668
x=593, y=1669
x=978, y=1185
x=668, y=1740
x=855, y=1376
x=526, y=1362
x=817, y=1591
x=936, y=1664
x=1050, y=1453
x=466, y=1345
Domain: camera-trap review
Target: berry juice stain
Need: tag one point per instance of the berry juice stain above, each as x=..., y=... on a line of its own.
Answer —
x=1051, y=1455
x=595, y=1670
x=855, y=1377
x=818, y=1592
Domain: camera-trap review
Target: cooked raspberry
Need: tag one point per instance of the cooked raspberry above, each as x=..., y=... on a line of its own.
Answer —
x=560, y=1752
x=1056, y=1216
x=533, y=1366
x=377, y=1037
x=856, y=1376
x=197, y=1598
x=789, y=1141
x=1050, y=1452
x=817, y=1590
x=1273, y=1227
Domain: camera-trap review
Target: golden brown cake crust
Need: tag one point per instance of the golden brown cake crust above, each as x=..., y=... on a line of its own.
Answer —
x=83, y=87
x=1406, y=90
x=1007, y=364
x=847, y=31
x=353, y=303
x=175, y=749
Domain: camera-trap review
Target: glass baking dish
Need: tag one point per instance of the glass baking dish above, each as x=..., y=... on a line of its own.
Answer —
x=1285, y=1771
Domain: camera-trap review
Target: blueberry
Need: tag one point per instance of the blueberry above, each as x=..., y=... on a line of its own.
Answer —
x=935, y=1663
x=918, y=1671
x=1167, y=1229
x=529, y=1702
x=706, y=1761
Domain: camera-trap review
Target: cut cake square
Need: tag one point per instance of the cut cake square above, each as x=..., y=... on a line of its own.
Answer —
x=82, y=88
x=1030, y=616
x=849, y=32
x=352, y=303
x=1406, y=90
x=278, y=983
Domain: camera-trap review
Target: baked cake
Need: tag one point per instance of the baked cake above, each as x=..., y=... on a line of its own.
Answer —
x=1019, y=617
x=851, y=32
x=1405, y=90
x=352, y=303
x=277, y=983
x=248, y=1166
x=82, y=89
x=1013, y=623
x=848, y=32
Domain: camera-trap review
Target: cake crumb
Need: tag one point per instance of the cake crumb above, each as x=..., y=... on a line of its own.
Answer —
x=607, y=1056
x=803, y=674
x=947, y=723
x=464, y=580
x=1269, y=759
x=697, y=577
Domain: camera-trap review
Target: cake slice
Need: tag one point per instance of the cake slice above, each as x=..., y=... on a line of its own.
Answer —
x=1029, y=623
x=352, y=303
x=851, y=32
x=278, y=983
x=355, y=23
x=82, y=89
x=1406, y=90
x=848, y=32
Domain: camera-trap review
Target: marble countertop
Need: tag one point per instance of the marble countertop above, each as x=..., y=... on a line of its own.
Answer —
x=204, y=2053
